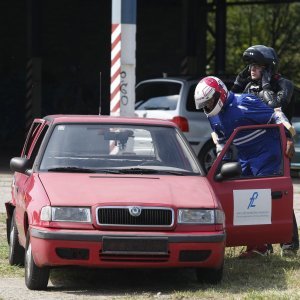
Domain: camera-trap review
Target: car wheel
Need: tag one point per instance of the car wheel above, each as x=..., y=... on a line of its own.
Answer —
x=207, y=155
x=15, y=250
x=212, y=276
x=36, y=278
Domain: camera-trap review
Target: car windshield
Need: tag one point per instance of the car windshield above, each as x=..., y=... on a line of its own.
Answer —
x=115, y=148
x=157, y=95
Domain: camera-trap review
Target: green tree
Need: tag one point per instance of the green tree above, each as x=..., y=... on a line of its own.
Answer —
x=274, y=25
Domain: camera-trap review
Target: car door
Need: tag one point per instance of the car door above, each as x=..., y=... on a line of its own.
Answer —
x=19, y=180
x=258, y=209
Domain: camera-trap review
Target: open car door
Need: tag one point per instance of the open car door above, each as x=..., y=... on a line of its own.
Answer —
x=258, y=209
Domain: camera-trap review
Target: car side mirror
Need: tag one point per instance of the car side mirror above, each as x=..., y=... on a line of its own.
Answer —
x=20, y=164
x=229, y=170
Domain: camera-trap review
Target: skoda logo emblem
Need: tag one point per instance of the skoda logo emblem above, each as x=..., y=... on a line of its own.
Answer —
x=135, y=211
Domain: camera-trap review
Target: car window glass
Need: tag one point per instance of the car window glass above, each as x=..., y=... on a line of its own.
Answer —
x=36, y=146
x=30, y=137
x=157, y=96
x=258, y=152
x=190, y=104
x=117, y=146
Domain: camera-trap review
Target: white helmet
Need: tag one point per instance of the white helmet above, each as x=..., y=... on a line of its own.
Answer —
x=210, y=88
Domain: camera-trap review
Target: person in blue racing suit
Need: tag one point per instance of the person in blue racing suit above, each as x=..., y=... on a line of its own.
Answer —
x=255, y=155
x=257, y=152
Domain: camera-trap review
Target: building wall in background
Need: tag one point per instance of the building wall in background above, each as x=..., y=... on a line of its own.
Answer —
x=12, y=72
x=75, y=48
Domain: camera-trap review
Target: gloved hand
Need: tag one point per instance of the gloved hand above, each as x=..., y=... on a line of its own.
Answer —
x=269, y=97
x=290, y=149
x=266, y=78
x=243, y=77
x=245, y=73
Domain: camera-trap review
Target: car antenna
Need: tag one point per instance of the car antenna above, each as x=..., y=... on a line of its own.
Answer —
x=100, y=97
x=165, y=75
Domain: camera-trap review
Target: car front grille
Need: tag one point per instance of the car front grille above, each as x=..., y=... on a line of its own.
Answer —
x=146, y=216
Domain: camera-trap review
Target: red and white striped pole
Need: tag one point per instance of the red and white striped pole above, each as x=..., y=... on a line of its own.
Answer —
x=115, y=70
x=123, y=45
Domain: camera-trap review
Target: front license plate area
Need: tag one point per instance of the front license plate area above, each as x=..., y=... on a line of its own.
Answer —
x=135, y=245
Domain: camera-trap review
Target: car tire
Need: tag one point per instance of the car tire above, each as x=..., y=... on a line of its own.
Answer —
x=16, y=251
x=209, y=275
x=36, y=278
x=207, y=155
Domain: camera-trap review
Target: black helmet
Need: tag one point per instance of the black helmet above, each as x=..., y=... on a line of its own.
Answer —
x=262, y=55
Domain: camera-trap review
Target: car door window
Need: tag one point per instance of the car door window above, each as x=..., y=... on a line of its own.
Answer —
x=33, y=131
x=37, y=143
x=157, y=96
x=190, y=103
x=258, y=152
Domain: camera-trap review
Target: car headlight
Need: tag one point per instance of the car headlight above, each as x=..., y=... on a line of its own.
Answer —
x=200, y=216
x=66, y=214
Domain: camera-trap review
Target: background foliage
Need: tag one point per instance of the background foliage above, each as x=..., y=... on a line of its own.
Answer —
x=274, y=25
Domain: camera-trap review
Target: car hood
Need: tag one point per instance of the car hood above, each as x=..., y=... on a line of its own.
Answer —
x=98, y=189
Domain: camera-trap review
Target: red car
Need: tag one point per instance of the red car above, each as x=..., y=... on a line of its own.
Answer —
x=109, y=192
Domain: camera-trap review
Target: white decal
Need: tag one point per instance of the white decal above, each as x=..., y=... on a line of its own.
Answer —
x=252, y=207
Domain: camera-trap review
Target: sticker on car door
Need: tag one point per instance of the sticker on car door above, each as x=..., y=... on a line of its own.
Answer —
x=252, y=207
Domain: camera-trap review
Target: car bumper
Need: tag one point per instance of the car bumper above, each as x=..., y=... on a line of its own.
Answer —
x=126, y=250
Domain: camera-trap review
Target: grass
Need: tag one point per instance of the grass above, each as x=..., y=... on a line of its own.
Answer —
x=270, y=277
x=5, y=269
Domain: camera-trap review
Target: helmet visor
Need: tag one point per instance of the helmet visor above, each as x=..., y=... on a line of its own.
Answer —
x=211, y=104
x=257, y=66
x=199, y=104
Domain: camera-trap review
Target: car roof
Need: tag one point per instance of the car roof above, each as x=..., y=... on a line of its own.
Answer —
x=188, y=78
x=176, y=78
x=106, y=119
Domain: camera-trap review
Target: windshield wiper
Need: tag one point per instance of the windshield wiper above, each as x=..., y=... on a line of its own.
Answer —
x=151, y=171
x=109, y=171
x=138, y=171
x=177, y=173
x=71, y=169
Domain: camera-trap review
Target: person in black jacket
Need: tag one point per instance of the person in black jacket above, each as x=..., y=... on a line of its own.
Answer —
x=261, y=77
